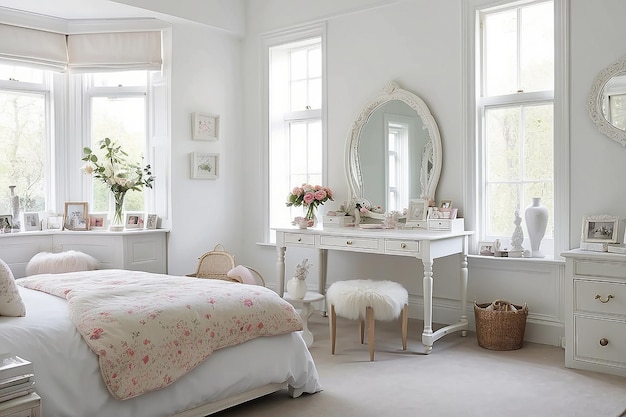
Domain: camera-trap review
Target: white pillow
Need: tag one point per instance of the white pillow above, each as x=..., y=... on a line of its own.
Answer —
x=246, y=276
x=11, y=303
x=57, y=263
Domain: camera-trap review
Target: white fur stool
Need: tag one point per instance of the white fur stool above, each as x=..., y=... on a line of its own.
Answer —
x=362, y=299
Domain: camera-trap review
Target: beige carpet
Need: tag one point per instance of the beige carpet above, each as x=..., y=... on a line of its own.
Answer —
x=458, y=378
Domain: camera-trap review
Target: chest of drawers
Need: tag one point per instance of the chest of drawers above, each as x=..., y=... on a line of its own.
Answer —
x=595, y=311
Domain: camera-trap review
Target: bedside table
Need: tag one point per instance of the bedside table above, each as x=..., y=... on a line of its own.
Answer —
x=25, y=406
x=307, y=310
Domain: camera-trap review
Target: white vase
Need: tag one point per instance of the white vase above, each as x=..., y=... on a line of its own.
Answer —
x=536, y=222
x=296, y=288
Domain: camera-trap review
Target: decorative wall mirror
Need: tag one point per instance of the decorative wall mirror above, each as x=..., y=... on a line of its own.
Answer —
x=393, y=153
x=607, y=101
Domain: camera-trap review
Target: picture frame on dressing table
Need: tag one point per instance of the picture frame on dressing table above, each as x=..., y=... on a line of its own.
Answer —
x=417, y=213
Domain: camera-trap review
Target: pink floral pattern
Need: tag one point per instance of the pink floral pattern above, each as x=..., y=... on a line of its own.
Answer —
x=150, y=329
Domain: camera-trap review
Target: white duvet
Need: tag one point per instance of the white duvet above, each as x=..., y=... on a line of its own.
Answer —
x=69, y=381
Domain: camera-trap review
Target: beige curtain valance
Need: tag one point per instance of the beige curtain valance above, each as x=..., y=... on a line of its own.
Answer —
x=81, y=53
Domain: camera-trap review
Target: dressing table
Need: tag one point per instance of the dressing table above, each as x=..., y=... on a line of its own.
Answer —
x=393, y=155
x=420, y=244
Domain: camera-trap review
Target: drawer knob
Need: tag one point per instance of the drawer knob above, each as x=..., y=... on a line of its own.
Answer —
x=403, y=245
x=604, y=341
x=348, y=242
x=299, y=239
x=606, y=300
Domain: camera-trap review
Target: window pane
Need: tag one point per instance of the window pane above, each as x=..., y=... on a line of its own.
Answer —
x=299, y=95
x=298, y=64
x=617, y=115
x=315, y=93
x=315, y=62
x=537, y=48
x=315, y=148
x=296, y=144
x=500, y=53
x=23, y=150
x=123, y=120
x=538, y=139
x=502, y=144
x=124, y=78
x=502, y=201
x=23, y=74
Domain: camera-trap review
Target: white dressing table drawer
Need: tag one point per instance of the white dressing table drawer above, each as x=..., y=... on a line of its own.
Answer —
x=600, y=340
x=351, y=243
x=599, y=269
x=299, y=239
x=600, y=297
x=402, y=246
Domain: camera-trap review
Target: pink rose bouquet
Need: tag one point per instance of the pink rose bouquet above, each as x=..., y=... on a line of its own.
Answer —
x=309, y=196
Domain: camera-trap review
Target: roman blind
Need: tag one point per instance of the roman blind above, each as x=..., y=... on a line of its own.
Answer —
x=81, y=53
x=99, y=52
x=38, y=48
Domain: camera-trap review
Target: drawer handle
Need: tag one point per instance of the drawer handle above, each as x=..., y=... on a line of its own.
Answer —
x=403, y=245
x=606, y=300
x=348, y=242
x=604, y=341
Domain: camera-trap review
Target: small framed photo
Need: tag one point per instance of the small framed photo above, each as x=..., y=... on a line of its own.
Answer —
x=418, y=210
x=6, y=223
x=134, y=220
x=485, y=248
x=445, y=204
x=98, y=221
x=76, y=216
x=600, y=229
x=205, y=126
x=151, y=221
x=53, y=222
x=204, y=165
x=31, y=222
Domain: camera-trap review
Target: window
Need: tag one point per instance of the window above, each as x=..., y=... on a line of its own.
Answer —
x=515, y=117
x=117, y=110
x=24, y=138
x=296, y=132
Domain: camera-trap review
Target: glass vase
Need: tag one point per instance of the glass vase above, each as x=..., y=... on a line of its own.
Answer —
x=310, y=216
x=117, y=219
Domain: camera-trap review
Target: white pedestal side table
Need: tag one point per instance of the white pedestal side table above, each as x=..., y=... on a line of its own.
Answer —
x=307, y=311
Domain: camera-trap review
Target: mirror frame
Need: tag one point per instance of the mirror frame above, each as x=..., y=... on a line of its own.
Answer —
x=594, y=101
x=392, y=91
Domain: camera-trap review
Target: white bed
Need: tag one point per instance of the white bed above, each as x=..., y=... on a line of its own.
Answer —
x=70, y=383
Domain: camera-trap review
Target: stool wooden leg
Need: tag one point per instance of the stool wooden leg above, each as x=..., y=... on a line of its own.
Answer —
x=405, y=325
x=370, y=330
x=362, y=329
x=333, y=328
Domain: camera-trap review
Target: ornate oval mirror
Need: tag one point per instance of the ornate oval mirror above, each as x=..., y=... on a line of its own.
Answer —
x=393, y=153
x=607, y=101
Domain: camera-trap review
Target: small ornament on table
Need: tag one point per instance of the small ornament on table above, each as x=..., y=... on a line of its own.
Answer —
x=517, y=251
x=391, y=219
x=296, y=286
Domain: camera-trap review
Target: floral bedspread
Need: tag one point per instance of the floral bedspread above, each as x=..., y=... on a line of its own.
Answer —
x=150, y=329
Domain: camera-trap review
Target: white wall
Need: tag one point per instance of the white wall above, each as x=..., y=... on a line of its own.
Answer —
x=206, y=73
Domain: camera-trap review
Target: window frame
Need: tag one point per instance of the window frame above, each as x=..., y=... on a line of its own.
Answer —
x=268, y=41
x=474, y=198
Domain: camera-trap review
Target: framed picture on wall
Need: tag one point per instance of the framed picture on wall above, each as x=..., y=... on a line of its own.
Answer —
x=204, y=165
x=205, y=126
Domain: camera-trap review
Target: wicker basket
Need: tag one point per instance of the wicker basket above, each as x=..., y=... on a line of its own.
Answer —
x=215, y=264
x=500, y=327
